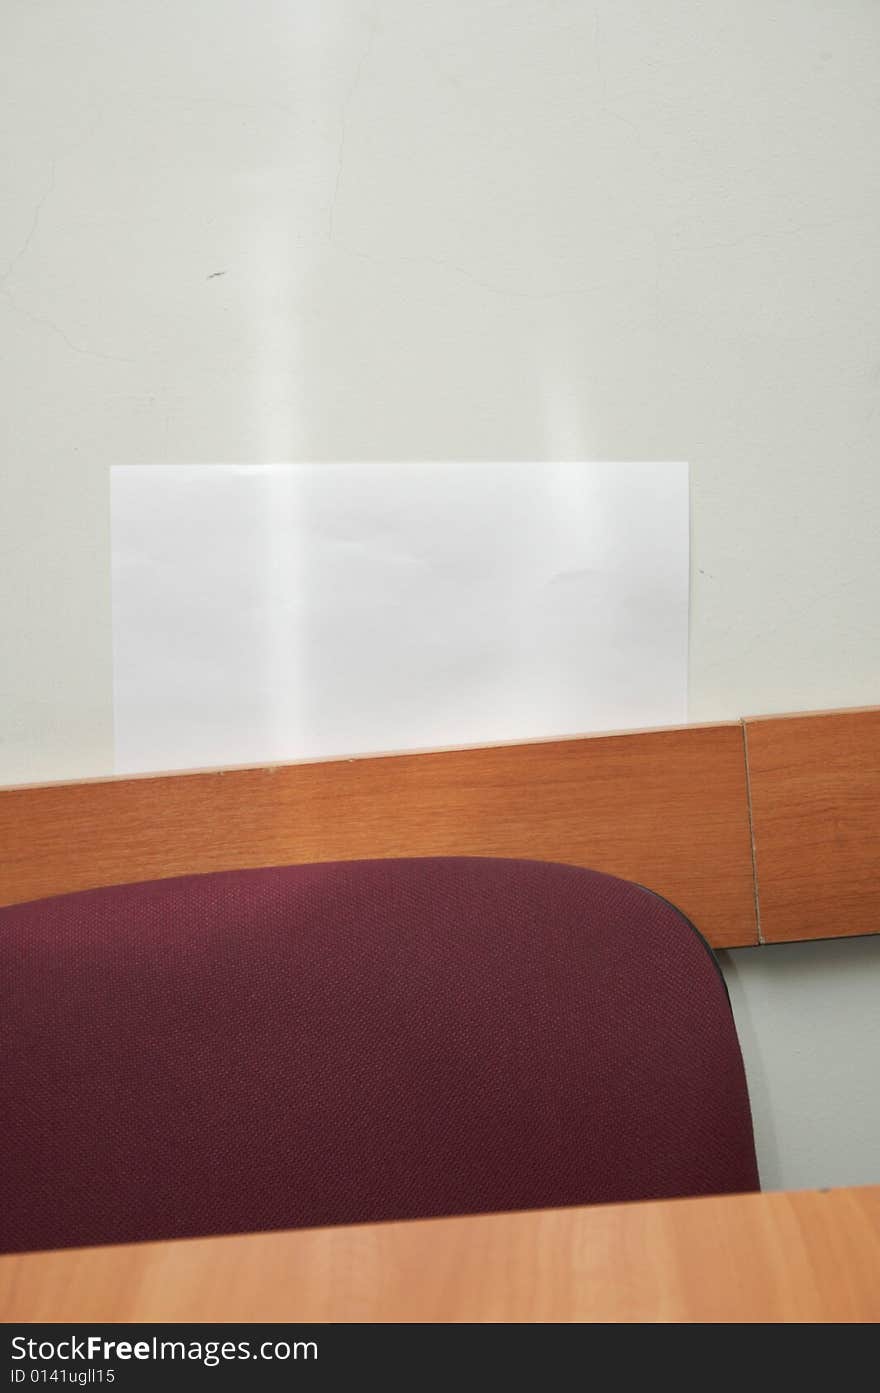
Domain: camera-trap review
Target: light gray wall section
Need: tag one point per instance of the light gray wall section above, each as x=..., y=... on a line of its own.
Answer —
x=808, y=1016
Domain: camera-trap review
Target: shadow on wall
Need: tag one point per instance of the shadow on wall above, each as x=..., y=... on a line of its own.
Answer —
x=811, y=1065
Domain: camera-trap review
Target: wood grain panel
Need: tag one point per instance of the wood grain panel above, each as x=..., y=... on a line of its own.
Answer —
x=810, y=1256
x=667, y=808
x=815, y=794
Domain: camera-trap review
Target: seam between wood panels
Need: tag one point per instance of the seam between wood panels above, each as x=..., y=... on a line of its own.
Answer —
x=752, y=834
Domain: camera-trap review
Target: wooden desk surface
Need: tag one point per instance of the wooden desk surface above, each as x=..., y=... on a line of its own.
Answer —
x=805, y=1256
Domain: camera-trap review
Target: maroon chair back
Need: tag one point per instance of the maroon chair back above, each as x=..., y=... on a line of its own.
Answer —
x=361, y=1041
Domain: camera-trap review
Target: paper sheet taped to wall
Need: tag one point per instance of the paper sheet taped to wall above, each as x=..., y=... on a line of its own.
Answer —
x=275, y=612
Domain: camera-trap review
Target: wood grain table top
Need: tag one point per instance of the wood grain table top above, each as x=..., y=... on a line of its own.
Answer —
x=784, y=1257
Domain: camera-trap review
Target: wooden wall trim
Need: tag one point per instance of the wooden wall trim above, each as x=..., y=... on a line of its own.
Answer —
x=814, y=783
x=666, y=808
x=765, y=830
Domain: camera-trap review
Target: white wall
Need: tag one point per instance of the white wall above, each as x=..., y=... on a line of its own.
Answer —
x=808, y=1016
x=476, y=229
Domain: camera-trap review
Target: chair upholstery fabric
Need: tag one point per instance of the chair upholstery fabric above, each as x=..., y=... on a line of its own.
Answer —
x=354, y=1042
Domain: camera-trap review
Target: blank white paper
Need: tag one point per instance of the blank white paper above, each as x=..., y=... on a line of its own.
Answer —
x=283, y=612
